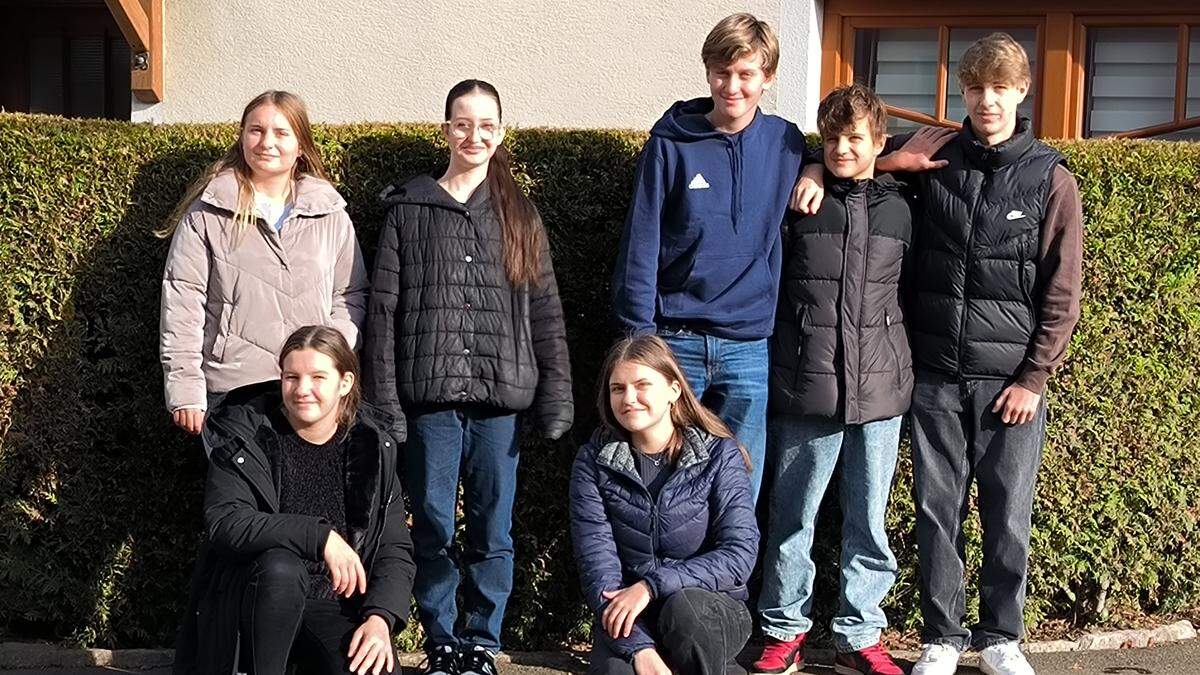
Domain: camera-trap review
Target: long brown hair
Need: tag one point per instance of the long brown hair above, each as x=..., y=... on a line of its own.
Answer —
x=307, y=164
x=652, y=352
x=521, y=227
x=331, y=343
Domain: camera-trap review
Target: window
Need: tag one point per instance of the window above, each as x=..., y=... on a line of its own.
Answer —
x=64, y=60
x=1099, y=67
x=1143, y=82
x=905, y=66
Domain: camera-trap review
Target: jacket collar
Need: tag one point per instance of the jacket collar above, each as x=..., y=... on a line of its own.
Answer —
x=424, y=190
x=1001, y=154
x=616, y=453
x=313, y=197
x=843, y=186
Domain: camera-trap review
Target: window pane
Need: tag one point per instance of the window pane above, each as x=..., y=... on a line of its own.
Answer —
x=1131, y=78
x=46, y=75
x=1193, y=102
x=86, y=81
x=901, y=66
x=960, y=39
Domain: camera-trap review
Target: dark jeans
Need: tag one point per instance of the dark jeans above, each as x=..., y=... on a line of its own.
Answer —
x=956, y=438
x=278, y=621
x=480, y=445
x=697, y=632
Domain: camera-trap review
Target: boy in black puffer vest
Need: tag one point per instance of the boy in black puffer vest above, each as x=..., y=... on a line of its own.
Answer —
x=996, y=269
x=840, y=380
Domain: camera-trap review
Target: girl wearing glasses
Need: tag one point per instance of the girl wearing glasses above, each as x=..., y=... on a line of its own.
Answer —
x=465, y=330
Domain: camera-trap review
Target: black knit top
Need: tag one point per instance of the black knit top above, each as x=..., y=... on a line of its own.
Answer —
x=312, y=482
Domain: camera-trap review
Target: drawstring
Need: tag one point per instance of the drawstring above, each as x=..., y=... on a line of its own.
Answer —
x=735, y=164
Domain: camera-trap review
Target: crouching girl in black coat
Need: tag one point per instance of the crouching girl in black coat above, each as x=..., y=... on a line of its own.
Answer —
x=307, y=550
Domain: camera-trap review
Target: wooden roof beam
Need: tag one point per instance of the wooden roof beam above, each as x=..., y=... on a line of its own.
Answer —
x=140, y=22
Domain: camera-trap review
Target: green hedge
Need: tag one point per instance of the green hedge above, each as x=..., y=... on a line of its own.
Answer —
x=99, y=494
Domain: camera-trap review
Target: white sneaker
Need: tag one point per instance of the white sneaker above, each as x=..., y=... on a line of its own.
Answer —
x=937, y=660
x=1004, y=659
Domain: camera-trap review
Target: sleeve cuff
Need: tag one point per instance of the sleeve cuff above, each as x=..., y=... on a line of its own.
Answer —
x=388, y=617
x=1033, y=379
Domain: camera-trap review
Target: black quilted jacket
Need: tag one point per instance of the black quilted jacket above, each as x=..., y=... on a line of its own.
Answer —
x=444, y=324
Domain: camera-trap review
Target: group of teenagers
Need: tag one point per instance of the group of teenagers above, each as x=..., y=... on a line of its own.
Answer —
x=783, y=310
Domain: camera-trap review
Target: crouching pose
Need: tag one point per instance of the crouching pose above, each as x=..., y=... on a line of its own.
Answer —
x=307, y=551
x=662, y=521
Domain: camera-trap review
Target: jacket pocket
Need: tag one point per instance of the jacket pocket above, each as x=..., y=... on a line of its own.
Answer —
x=801, y=336
x=222, y=338
x=887, y=335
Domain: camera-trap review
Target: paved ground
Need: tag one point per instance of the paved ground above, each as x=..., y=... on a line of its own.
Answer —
x=1175, y=659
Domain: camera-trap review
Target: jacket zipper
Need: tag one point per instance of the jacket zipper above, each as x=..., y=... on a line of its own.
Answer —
x=962, y=319
x=887, y=335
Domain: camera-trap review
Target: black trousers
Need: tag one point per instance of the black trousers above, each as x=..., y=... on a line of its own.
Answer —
x=279, y=622
x=957, y=440
x=697, y=632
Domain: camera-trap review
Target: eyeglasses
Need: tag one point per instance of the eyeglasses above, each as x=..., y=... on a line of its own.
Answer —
x=463, y=128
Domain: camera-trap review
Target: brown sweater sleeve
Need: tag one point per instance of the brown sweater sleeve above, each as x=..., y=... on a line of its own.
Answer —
x=1060, y=271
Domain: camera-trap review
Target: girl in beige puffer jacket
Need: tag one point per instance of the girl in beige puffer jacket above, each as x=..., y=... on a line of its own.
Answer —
x=260, y=245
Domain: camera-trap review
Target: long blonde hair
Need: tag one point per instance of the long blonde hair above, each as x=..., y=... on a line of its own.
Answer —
x=652, y=352
x=307, y=164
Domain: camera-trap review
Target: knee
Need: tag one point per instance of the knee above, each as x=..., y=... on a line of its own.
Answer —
x=681, y=615
x=279, y=568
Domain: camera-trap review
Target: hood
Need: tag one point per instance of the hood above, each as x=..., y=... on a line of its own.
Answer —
x=686, y=121
x=843, y=186
x=425, y=191
x=243, y=411
x=615, y=452
x=313, y=196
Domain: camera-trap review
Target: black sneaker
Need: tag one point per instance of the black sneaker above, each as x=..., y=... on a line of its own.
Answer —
x=441, y=660
x=477, y=661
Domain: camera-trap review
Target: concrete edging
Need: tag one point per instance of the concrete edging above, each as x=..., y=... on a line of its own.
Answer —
x=15, y=655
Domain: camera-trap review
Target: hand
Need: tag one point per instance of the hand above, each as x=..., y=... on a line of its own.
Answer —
x=649, y=662
x=623, y=608
x=809, y=190
x=371, y=647
x=190, y=420
x=345, y=569
x=916, y=155
x=1018, y=404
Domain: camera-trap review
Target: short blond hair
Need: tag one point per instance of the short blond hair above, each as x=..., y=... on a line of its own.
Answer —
x=996, y=58
x=737, y=36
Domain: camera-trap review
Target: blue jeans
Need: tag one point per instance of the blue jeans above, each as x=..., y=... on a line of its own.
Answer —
x=480, y=444
x=730, y=377
x=806, y=452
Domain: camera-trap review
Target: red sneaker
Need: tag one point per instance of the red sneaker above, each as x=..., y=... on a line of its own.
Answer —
x=780, y=657
x=873, y=660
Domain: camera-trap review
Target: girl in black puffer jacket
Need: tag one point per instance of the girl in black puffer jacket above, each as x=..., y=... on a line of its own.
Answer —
x=465, y=330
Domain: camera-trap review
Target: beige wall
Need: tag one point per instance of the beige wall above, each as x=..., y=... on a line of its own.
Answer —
x=604, y=63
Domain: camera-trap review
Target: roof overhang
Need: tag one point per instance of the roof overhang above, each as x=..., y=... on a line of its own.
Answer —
x=141, y=24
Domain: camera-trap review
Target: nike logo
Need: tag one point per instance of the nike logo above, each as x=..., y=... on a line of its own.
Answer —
x=698, y=183
x=1015, y=215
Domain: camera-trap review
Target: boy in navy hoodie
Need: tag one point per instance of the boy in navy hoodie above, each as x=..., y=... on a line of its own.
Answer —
x=700, y=255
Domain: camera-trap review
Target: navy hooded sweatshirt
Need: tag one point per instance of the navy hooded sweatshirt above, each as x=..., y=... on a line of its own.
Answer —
x=701, y=247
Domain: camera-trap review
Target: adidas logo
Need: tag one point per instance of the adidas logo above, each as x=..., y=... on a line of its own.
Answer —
x=698, y=183
x=1015, y=215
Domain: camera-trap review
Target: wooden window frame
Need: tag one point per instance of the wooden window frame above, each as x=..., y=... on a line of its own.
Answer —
x=1061, y=27
x=1184, y=25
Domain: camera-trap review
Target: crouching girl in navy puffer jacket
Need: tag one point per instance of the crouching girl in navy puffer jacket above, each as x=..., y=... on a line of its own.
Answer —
x=662, y=522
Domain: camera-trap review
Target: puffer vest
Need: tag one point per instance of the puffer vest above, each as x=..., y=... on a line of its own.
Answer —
x=840, y=348
x=972, y=312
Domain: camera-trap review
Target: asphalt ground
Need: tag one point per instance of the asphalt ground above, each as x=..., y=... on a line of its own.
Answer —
x=1182, y=658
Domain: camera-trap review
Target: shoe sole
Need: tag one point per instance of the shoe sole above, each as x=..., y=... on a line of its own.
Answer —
x=795, y=667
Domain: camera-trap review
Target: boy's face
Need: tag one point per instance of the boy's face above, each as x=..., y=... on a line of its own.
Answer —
x=737, y=88
x=851, y=152
x=992, y=108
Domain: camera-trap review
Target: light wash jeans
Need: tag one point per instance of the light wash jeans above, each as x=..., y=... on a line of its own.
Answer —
x=806, y=452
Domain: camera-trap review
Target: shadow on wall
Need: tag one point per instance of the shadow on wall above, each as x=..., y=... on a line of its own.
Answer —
x=101, y=510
